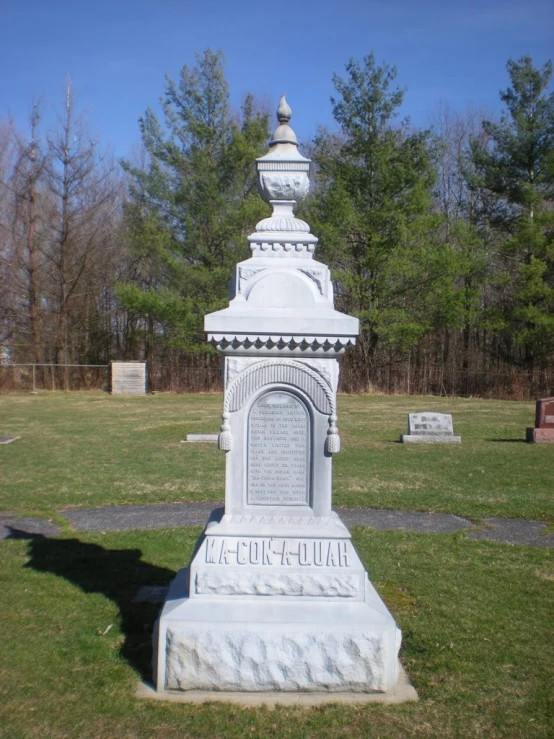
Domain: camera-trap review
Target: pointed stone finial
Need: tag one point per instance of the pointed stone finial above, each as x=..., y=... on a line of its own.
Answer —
x=283, y=134
x=284, y=112
x=283, y=180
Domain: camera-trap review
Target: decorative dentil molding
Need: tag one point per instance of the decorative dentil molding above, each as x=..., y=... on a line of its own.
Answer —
x=331, y=345
x=262, y=245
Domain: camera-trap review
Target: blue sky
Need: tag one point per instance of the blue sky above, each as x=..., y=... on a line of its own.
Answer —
x=118, y=51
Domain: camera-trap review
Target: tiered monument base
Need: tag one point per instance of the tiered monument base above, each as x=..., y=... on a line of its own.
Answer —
x=258, y=613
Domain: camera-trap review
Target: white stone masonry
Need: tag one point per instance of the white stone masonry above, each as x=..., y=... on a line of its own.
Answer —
x=276, y=597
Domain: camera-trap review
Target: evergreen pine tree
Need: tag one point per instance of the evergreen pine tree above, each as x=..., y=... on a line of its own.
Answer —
x=191, y=208
x=372, y=211
x=516, y=171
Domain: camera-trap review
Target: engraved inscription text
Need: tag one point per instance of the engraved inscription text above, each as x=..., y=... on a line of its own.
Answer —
x=278, y=451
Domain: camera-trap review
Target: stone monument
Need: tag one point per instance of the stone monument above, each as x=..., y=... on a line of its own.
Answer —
x=430, y=428
x=543, y=431
x=276, y=598
x=128, y=378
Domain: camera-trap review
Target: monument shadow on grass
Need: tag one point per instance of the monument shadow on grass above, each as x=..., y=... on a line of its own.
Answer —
x=117, y=574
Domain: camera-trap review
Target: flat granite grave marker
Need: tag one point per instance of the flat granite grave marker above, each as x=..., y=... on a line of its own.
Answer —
x=430, y=428
x=543, y=432
x=276, y=598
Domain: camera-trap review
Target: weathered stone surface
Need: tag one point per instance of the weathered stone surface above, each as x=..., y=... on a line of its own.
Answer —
x=128, y=378
x=430, y=422
x=26, y=528
x=402, y=692
x=540, y=436
x=430, y=439
x=278, y=451
x=273, y=583
x=430, y=428
x=260, y=661
x=202, y=437
x=544, y=413
x=276, y=597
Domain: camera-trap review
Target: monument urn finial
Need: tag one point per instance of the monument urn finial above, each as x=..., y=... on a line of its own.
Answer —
x=283, y=173
x=284, y=112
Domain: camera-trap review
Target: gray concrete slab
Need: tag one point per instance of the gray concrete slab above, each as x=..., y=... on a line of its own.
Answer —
x=26, y=528
x=515, y=531
x=178, y=515
x=175, y=515
x=418, y=522
x=124, y=518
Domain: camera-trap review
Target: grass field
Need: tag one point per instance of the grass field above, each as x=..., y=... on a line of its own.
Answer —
x=476, y=616
x=476, y=619
x=80, y=449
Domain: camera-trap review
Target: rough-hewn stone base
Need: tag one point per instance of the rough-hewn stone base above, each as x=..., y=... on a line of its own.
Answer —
x=275, y=643
x=310, y=585
x=540, y=436
x=402, y=692
x=281, y=660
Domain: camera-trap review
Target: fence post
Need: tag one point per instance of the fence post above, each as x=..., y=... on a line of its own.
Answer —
x=34, y=379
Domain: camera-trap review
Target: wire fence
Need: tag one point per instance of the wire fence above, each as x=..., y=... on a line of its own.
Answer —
x=405, y=379
x=36, y=377
x=204, y=374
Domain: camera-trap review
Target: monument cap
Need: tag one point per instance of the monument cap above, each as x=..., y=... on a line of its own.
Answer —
x=284, y=134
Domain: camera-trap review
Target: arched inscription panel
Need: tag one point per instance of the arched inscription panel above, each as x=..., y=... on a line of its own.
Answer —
x=278, y=457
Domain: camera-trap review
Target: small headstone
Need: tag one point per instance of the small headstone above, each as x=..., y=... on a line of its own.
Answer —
x=543, y=432
x=200, y=437
x=430, y=428
x=128, y=378
x=8, y=439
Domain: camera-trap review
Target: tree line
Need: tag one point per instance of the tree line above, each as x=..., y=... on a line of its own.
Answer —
x=441, y=241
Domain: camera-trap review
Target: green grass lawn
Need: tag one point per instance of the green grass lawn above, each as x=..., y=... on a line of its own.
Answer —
x=476, y=619
x=90, y=449
x=476, y=616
